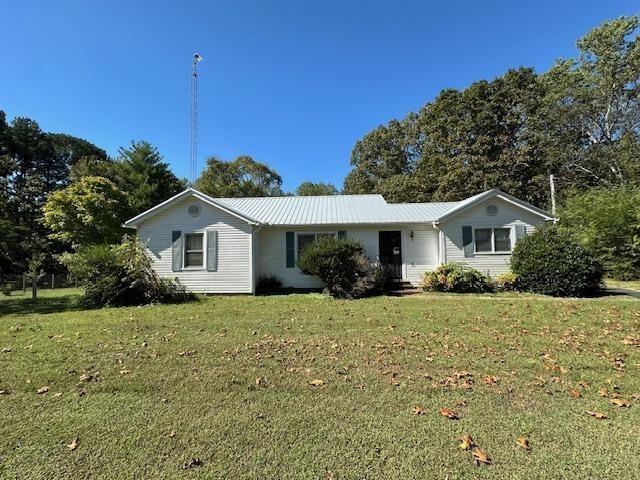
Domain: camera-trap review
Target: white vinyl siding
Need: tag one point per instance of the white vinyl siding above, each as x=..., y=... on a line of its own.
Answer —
x=508, y=216
x=234, y=244
x=418, y=255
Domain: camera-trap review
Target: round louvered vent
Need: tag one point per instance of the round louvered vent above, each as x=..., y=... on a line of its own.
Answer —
x=492, y=210
x=194, y=210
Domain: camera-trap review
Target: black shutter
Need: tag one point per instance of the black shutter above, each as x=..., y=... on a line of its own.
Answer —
x=176, y=250
x=291, y=256
x=467, y=241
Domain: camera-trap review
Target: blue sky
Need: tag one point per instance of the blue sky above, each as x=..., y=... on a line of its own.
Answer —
x=292, y=83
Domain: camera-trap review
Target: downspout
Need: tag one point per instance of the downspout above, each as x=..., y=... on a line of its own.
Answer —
x=442, y=253
x=254, y=230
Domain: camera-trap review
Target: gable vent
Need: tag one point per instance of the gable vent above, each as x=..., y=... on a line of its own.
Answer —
x=492, y=209
x=194, y=210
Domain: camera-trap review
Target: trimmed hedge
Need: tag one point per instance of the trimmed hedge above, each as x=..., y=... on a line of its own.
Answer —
x=457, y=278
x=551, y=262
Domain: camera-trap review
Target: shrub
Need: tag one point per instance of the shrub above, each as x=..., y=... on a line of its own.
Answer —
x=341, y=265
x=6, y=289
x=507, y=282
x=457, y=278
x=121, y=275
x=268, y=284
x=607, y=222
x=550, y=261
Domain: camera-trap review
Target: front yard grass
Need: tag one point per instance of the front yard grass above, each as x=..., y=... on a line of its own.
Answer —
x=221, y=388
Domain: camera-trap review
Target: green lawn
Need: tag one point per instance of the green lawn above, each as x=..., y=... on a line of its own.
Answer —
x=230, y=376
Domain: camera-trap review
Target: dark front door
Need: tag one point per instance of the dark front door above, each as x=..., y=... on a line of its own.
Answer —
x=391, y=253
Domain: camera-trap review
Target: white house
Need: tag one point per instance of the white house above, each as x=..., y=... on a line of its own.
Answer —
x=224, y=245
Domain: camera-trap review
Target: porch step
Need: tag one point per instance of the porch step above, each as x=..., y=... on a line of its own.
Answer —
x=400, y=288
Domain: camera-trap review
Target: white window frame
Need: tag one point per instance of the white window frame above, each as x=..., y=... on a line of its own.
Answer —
x=184, y=251
x=493, y=240
x=315, y=234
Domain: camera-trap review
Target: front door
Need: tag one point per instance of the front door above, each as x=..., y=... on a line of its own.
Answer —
x=390, y=246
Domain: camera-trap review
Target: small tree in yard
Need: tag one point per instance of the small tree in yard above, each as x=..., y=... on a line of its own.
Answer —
x=550, y=261
x=341, y=265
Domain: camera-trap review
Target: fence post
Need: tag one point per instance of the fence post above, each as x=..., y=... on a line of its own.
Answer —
x=24, y=283
x=53, y=280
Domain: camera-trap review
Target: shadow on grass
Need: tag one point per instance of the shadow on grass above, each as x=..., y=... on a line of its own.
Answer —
x=45, y=304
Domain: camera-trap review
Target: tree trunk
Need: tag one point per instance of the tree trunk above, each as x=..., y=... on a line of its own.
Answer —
x=34, y=287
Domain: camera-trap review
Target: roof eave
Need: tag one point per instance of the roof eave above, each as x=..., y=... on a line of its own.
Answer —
x=138, y=219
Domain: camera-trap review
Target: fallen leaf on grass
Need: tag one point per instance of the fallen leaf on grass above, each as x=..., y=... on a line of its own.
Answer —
x=418, y=411
x=598, y=415
x=58, y=394
x=603, y=392
x=575, y=393
x=317, y=382
x=42, y=390
x=620, y=402
x=125, y=371
x=466, y=442
x=450, y=414
x=523, y=442
x=171, y=434
x=6, y=350
x=74, y=444
x=490, y=379
x=480, y=456
x=193, y=463
x=4, y=392
x=635, y=396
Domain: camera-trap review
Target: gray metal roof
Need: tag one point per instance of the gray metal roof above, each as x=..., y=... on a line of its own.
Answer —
x=334, y=210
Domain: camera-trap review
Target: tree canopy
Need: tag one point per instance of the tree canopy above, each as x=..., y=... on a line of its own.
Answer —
x=580, y=121
x=87, y=212
x=242, y=177
x=306, y=189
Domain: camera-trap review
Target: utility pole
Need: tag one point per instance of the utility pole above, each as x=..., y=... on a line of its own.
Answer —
x=193, y=160
x=552, y=185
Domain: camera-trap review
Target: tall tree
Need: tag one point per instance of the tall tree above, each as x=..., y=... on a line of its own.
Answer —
x=580, y=120
x=242, y=177
x=592, y=119
x=144, y=176
x=306, y=189
x=33, y=164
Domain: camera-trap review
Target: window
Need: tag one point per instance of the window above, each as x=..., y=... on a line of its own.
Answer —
x=492, y=240
x=502, y=239
x=483, y=240
x=193, y=252
x=305, y=239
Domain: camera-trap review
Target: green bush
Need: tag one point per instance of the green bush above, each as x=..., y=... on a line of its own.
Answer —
x=268, y=284
x=550, y=261
x=507, y=282
x=607, y=222
x=457, y=278
x=121, y=275
x=341, y=265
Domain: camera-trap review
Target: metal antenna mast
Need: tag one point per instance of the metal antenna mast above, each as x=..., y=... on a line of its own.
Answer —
x=193, y=161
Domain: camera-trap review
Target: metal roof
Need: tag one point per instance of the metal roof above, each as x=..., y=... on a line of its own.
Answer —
x=334, y=210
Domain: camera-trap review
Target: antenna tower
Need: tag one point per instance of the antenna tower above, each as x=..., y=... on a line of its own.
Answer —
x=193, y=160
